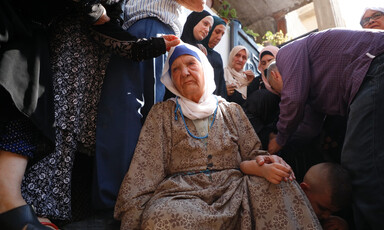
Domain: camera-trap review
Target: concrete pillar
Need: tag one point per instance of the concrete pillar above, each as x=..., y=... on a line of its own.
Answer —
x=328, y=14
x=281, y=22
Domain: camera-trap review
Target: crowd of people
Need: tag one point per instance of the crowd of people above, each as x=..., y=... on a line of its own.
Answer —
x=175, y=139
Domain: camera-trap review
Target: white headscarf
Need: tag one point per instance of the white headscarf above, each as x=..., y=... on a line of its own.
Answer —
x=232, y=76
x=376, y=8
x=208, y=102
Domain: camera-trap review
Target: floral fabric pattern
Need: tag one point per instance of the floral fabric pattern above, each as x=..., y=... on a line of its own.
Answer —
x=178, y=182
x=78, y=68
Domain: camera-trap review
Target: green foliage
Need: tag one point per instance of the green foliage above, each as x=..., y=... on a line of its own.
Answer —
x=251, y=32
x=225, y=11
x=275, y=39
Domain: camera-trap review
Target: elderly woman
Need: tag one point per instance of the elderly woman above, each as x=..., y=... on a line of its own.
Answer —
x=373, y=18
x=214, y=37
x=185, y=173
x=239, y=83
x=195, y=29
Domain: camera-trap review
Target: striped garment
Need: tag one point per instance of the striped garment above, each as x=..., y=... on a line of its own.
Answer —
x=167, y=11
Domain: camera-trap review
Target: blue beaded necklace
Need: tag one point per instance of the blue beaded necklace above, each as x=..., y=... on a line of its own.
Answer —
x=185, y=124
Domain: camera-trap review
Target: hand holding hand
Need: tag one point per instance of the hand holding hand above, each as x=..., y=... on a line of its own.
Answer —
x=275, y=173
x=270, y=159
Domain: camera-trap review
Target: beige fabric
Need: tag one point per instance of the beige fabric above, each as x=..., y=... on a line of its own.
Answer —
x=157, y=193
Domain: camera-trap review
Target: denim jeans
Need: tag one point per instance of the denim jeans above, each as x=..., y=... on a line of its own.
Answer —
x=363, y=152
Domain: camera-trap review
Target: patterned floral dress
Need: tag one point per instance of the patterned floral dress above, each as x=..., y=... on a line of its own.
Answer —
x=79, y=64
x=179, y=182
x=78, y=67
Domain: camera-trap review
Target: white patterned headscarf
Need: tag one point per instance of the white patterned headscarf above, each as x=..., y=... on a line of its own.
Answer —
x=375, y=8
x=234, y=77
x=208, y=102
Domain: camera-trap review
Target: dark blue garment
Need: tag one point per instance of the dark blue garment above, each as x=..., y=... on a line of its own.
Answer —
x=217, y=64
x=129, y=90
x=18, y=136
x=363, y=152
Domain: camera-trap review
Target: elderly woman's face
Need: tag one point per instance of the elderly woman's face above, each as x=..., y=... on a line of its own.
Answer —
x=239, y=60
x=201, y=30
x=373, y=19
x=188, y=77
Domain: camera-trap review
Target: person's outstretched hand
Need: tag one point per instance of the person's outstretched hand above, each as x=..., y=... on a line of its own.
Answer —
x=171, y=41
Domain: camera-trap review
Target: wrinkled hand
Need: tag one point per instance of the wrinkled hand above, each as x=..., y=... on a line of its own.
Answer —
x=103, y=19
x=230, y=89
x=335, y=223
x=270, y=159
x=273, y=147
x=170, y=41
x=275, y=173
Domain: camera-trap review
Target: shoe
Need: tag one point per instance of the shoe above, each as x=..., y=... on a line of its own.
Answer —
x=18, y=218
x=50, y=224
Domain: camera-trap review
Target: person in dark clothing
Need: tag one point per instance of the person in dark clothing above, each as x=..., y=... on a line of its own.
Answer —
x=338, y=72
x=30, y=107
x=196, y=27
x=262, y=105
x=214, y=37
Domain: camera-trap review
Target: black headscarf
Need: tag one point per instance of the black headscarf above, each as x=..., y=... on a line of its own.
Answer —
x=192, y=20
x=216, y=21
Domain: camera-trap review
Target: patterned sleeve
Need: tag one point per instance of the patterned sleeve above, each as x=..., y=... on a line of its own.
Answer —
x=146, y=171
x=120, y=42
x=248, y=141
